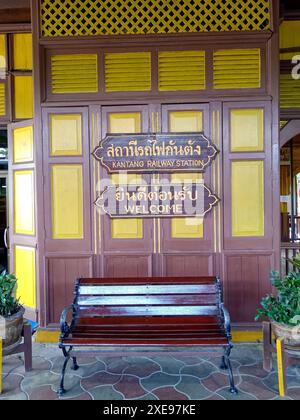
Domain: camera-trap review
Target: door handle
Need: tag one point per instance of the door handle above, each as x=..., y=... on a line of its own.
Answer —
x=6, y=237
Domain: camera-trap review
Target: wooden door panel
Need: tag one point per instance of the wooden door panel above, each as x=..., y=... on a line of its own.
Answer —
x=188, y=265
x=189, y=234
x=131, y=266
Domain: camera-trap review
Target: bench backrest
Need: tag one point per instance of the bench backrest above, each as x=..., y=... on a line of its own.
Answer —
x=148, y=297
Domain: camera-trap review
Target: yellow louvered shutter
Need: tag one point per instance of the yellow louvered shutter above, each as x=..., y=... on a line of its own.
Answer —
x=289, y=92
x=76, y=73
x=2, y=100
x=127, y=72
x=237, y=69
x=181, y=70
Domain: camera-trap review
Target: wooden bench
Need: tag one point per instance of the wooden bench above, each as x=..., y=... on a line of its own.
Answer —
x=147, y=313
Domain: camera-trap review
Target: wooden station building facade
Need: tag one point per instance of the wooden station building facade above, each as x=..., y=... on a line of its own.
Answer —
x=82, y=69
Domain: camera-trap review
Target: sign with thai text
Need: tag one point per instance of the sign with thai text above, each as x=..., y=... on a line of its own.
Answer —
x=164, y=200
x=184, y=152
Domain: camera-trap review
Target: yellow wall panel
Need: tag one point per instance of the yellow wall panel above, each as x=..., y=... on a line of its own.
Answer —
x=248, y=199
x=67, y=202
x=23, y=97
x=237, y=69
x=2, y=100
x=2, y=54
x=125, y=72
x=22, y=51
x=185, y=121
x=290, y=34
x=126, y=123
x=24, y=202
x=181, y=70
x=74, y=73
x=66, y=135
x=23, y=144
x=247, y=130
x=25, y=271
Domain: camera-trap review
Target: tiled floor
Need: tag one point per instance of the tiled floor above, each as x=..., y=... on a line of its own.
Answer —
x=149, y=377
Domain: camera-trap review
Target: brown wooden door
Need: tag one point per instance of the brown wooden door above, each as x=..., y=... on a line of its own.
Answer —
x=186, y=245
x=156, y=247
x=127, y=243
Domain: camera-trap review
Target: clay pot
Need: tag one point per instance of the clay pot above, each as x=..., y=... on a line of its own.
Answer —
x=291, y=335
x=13, y=331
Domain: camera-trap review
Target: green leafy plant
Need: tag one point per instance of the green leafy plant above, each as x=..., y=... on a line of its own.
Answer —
x=9, y=305
x=285, y=307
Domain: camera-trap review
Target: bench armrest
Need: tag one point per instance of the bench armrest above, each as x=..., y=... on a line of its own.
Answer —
x=65, y=328
x=227, y=322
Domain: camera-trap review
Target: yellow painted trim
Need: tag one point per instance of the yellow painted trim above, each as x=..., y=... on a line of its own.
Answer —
x=280, y=367
x=52, y=336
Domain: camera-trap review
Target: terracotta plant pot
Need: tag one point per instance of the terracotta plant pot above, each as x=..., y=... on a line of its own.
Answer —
x=13, y=331
x=291, y=335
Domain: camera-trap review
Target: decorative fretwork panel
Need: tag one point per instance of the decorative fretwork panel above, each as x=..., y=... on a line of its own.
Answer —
x=181, y=70
x=139, y=17
x=125, y=72
x=289, y=92
x=74, y=73
x=237, y=69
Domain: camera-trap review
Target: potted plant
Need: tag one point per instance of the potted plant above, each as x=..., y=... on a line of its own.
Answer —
x=283, y=310
x=11, y=313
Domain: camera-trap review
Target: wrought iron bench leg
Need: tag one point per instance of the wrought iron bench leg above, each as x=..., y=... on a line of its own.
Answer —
x=62, y=390
x=75, y=364
x=223, y=364
x=227, y=361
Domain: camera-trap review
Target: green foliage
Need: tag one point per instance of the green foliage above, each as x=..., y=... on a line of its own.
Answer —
x=9, y=305
x=285, y=307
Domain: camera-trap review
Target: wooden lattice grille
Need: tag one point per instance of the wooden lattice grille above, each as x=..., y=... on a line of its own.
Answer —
x=137, y=17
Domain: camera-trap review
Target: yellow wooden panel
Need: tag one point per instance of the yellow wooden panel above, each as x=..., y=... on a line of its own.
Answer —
x=2, y=55
x=22, y=51
x=23, y=144
x=237, y=69
x=24, y=205
x=67, y=202
x=23, y=97
x=289, y=92
x=185, y=121
x=126, y=72
x=25, y=271
x=66, y=135
x=247, y=130
x=74, y=73
x=290, y=34
x=2, y=100
x=248, y=198
x=181, y=70
x=128, y=123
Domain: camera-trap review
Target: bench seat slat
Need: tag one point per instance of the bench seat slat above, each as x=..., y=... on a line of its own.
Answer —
x=148, y=300
x=148, y=311
x=148, y=335
x=153, y=321
x=90, y=329
x=125, y=290
x=150, y=342
x=147, y=280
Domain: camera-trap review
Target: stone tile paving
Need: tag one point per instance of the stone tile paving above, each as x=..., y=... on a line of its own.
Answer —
x=151, y=377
